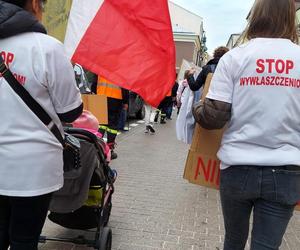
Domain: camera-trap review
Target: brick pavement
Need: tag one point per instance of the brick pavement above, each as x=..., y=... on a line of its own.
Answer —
x=154, y=208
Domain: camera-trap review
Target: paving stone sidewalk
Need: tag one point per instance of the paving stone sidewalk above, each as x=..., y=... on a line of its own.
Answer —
x=154, y=208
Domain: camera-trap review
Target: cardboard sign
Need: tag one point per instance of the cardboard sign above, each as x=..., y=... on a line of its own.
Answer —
x=186, y=65
x=202, y=165
x=97, y=104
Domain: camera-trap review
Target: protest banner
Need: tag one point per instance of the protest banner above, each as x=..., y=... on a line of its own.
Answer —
x=186, y=65
x=55, y=18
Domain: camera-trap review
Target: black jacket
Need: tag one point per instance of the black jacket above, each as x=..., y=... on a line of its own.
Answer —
x=15, y=20
x=200, y=81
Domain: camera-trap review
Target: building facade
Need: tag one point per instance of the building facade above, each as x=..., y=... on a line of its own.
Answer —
x=233, y=40
x=188, y=35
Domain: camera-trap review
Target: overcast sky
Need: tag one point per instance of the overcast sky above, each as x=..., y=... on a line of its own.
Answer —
x=221, y=18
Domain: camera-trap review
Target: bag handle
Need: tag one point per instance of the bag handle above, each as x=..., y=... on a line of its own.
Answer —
x=35, y=107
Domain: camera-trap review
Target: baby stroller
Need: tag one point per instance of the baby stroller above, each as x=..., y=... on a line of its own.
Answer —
x=84, y=202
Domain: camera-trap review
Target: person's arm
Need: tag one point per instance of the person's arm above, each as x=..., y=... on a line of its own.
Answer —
x=200, y=81
x=72, y=115
x=61, y=84
x=215, y=111
x=212, y=114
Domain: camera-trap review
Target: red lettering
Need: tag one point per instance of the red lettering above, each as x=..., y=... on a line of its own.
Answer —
x=21, y=79
x=253, y=80
x=212, y=177
x=280, y=66
x=7, y=57
x=260, y=66
x=289, y=66
x=242, y=81
x=211, y=171
x=267, y=80
x=270, y=62
x=291, y=83
x=206, y=171
x=286, y=81
x=3, y=55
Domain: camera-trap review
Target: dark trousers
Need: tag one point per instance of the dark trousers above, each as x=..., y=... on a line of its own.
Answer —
x=164, y=107
x=169, y=111
x=21, y=221
x=271, y=193
x=122, y=119
x=114, y=107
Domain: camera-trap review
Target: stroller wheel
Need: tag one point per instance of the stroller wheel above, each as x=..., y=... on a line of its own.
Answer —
x=105, y=239
x=106, y=213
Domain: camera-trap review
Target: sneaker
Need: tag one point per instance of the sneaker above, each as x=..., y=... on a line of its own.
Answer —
x=113, y=155
x=147, y=129
x=151, y=129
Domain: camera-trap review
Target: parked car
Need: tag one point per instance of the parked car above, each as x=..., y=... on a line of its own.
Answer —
x=136, y=107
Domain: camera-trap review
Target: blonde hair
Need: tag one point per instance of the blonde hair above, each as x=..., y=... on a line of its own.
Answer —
x=273, y=19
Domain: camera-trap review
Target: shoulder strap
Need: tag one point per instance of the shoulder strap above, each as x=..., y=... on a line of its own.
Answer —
x=35, y=107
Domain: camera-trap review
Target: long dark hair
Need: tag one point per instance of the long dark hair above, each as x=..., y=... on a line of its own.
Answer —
x=273, y=19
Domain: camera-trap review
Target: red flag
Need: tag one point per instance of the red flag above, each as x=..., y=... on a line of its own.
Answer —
x=130, y=42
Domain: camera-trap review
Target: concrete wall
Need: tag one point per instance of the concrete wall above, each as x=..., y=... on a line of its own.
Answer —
x=185, y=19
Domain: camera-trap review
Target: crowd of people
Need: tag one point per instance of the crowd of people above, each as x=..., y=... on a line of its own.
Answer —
x=260, y=150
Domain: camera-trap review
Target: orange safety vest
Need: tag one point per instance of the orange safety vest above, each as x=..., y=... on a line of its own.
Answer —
x=104, y=87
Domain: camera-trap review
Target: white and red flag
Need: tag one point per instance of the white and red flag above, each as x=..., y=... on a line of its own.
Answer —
x=129, y=42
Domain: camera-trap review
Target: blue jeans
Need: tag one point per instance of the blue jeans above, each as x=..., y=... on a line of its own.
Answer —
x=271, y=193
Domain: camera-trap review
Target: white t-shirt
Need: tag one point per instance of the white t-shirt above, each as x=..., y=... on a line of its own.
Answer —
x=261, y=79
x=30, y=155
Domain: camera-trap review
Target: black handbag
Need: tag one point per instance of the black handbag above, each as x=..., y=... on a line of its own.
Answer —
x=71, y=145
